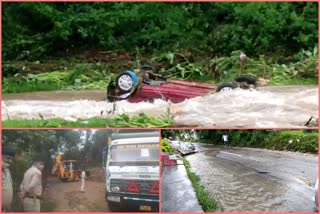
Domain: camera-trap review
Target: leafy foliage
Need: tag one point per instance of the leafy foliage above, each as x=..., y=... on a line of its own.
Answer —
x=165, y=146
x=300, y=141
x=122, y=120
x=79, y=76
x=217, y=28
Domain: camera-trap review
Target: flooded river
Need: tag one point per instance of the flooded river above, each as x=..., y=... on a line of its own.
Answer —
x=286, y=106
x=256, y=180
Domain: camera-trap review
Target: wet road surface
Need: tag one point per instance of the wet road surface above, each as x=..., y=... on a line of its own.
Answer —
x=273, y=106
x=257, y=180
x=177, y=193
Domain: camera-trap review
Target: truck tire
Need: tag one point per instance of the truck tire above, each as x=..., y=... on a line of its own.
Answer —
x=126, y=81
x=225, y=87
x=247, y=79
x=149, y=68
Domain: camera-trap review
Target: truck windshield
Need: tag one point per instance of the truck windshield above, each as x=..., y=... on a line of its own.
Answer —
x=134, y=152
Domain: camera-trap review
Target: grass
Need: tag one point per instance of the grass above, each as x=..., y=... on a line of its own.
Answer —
x=15, y=87
x=295, y=81
x=77, y=76
x=123, y=120
x=207, y=203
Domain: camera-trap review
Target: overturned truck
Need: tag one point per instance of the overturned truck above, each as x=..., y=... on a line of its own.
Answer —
x=146, y=84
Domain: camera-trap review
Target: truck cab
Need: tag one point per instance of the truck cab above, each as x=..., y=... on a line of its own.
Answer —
x=132, y=170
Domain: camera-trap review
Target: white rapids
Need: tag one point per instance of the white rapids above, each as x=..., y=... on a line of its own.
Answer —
x=274, y=106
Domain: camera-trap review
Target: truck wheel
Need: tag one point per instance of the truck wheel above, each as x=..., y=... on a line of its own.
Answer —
x=149, y=68
x=225, y=87
x=125, y=82
x=246, y=79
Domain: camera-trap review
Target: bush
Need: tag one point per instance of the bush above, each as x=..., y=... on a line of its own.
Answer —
x=297, y=141
x=46, y=29
x=165, y=146
x=291, y=140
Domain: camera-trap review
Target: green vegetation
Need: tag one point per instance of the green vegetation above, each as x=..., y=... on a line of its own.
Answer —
x=218, y=28
x=291, y=140
x=303, y=71
x=165, y=146
x=66, y=46
x=207, y=203
x=295, y=141
x=78, y=76
x=122, y=120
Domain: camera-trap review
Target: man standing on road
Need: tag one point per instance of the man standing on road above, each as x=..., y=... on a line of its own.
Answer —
x=31, y=187
x=7, y=189
x=225, y=139
x=83, y=178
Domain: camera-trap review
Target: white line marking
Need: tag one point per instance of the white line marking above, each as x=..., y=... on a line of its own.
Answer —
x=231, y=154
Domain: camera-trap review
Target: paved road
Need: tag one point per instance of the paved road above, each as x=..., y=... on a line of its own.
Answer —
x=256, y=180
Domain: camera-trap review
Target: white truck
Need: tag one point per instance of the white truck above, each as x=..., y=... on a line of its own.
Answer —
x=132, y=170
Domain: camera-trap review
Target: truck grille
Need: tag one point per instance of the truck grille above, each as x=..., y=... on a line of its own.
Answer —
x=144, y=185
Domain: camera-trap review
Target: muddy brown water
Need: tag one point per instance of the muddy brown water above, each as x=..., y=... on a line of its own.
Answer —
x=242, y=187
x=274, y=106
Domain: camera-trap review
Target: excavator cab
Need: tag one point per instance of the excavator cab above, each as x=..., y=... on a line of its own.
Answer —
x=67, y=170
x=70, y=171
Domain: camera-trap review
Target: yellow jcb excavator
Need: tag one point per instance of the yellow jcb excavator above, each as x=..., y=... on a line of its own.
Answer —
x=67, y=170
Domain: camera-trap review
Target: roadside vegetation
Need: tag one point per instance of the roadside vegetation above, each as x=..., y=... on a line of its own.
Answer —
x=207, y=202
x=289, y=140
x=55, y=48
x=166, y=147
x=123, y=120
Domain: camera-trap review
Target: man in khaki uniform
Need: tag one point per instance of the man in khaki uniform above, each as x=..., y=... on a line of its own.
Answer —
x=31, y=187
x=7, y=190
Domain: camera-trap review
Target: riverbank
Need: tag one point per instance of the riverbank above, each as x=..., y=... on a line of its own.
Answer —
x=122, y=120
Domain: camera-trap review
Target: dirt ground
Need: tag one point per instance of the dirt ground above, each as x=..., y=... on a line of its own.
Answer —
x=66, y=196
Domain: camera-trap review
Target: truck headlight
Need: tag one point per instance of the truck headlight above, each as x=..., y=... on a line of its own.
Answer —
x=115, y=189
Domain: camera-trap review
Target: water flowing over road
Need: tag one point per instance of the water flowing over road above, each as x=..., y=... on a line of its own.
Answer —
x=273, y=106
x=257, y=180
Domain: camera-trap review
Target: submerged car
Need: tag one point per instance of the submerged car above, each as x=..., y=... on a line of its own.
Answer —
x=145, y=84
